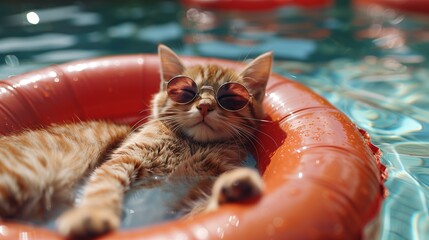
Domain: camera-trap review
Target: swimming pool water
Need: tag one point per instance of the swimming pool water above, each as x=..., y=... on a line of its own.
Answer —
x=371, y=63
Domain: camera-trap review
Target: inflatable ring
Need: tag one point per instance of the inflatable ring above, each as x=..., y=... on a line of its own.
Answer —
x=323, y=177
x=416, y=6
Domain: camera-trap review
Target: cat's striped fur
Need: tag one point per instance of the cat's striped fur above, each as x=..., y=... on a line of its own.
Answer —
x=40, y=166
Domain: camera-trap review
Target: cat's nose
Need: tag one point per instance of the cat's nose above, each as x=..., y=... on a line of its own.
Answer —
x=205, y=107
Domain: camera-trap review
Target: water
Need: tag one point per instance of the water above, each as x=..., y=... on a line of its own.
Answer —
x=371, y=64
x=149, y=201
x=382, y=103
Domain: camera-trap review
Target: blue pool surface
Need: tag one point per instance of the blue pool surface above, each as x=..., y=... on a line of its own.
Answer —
x=372, y=63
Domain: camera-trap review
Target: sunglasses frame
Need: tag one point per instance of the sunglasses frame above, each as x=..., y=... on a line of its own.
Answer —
x=205, y=87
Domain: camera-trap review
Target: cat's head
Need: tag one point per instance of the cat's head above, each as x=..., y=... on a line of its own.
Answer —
x=201, y=103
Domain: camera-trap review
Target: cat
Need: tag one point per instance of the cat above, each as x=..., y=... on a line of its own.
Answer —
x=201, y=121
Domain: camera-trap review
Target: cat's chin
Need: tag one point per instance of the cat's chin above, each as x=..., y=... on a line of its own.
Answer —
x=203, y=132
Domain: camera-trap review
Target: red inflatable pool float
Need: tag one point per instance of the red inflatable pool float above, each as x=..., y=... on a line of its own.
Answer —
x=418, y=6
x=323, y=176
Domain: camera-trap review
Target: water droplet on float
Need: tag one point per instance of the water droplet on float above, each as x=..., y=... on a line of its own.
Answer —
x=234, y=221
x=201, y=233
x=45, y=94
x=3, y=231
x=220, y=232
x=23, y=236
x=11, y=60
x=278, y=222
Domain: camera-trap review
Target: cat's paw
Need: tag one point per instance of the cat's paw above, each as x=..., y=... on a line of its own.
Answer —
x=87, y=222
x=238, y=185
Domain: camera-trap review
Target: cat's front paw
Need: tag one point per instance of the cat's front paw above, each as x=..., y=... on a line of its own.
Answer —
x=238, y=185
x=87, y=222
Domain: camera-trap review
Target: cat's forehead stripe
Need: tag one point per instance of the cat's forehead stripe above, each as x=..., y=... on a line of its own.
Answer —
x=211, y=74
x=219, y=74
x=205, y=72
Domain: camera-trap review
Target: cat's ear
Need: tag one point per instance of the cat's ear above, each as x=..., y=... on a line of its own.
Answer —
x=170, y=66
x=256, y=74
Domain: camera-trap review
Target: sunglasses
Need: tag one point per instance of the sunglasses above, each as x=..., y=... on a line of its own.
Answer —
x=230, y=96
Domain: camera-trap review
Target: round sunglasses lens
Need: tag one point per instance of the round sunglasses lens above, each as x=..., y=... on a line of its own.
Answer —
x=181, y=89
x=233, y=96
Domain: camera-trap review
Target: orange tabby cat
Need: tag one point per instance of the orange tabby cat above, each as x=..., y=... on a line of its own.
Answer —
x=202, y=119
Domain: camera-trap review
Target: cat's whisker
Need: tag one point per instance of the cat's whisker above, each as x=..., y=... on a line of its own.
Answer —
x=255, y=119
x=239, y=134
x=136, y=126
x=138, y=123
x=250, y=142
x=244, y=133
x=256, y=129
x=247, y=54
x=257, y=140
x=247, y=132
x=145, y=111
